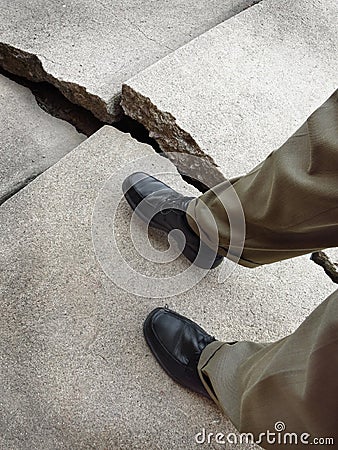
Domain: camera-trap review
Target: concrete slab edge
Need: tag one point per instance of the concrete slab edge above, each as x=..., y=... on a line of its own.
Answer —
x=172, y=139
x=28, y=65
x=16, y=187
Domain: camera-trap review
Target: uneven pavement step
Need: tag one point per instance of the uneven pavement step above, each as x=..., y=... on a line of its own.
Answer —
x=237, y=92
x=75, y=371
x=87, y=48
x=30, y=139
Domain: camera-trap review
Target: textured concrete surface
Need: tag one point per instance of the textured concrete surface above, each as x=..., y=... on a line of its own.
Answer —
x=87, y=48
x=332, y=253
x=30, y=139
x=75, y=371
x=240, y=90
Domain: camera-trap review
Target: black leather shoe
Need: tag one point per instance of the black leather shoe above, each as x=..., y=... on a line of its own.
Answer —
x=165, y=209
x=177, y=344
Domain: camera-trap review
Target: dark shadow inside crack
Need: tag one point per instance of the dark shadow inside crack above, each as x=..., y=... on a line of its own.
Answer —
x=53, y=102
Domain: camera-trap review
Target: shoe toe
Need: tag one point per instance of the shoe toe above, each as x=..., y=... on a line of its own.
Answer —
x=174, y=341
x=167, y=329
x=132, y=180
x=163, y=208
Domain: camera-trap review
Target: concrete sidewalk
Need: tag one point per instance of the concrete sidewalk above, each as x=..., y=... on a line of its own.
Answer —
x=75, y=371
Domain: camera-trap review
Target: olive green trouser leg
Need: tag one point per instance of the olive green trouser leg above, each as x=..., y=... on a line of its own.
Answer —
x=294, y=380
x=289, y=200
x=291, y=208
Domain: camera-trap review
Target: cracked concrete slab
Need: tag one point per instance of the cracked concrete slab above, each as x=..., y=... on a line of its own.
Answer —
x=240, y=90
x=87, y=49
x=30, y=139
x=75, y=371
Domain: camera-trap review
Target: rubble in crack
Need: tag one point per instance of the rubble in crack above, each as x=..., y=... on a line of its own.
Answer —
x=328, y=260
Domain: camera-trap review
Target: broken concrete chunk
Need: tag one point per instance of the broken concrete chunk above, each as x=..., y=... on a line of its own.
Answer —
x=237, y=92
x=328, y=260
x=30, y=140
x=88, y=48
